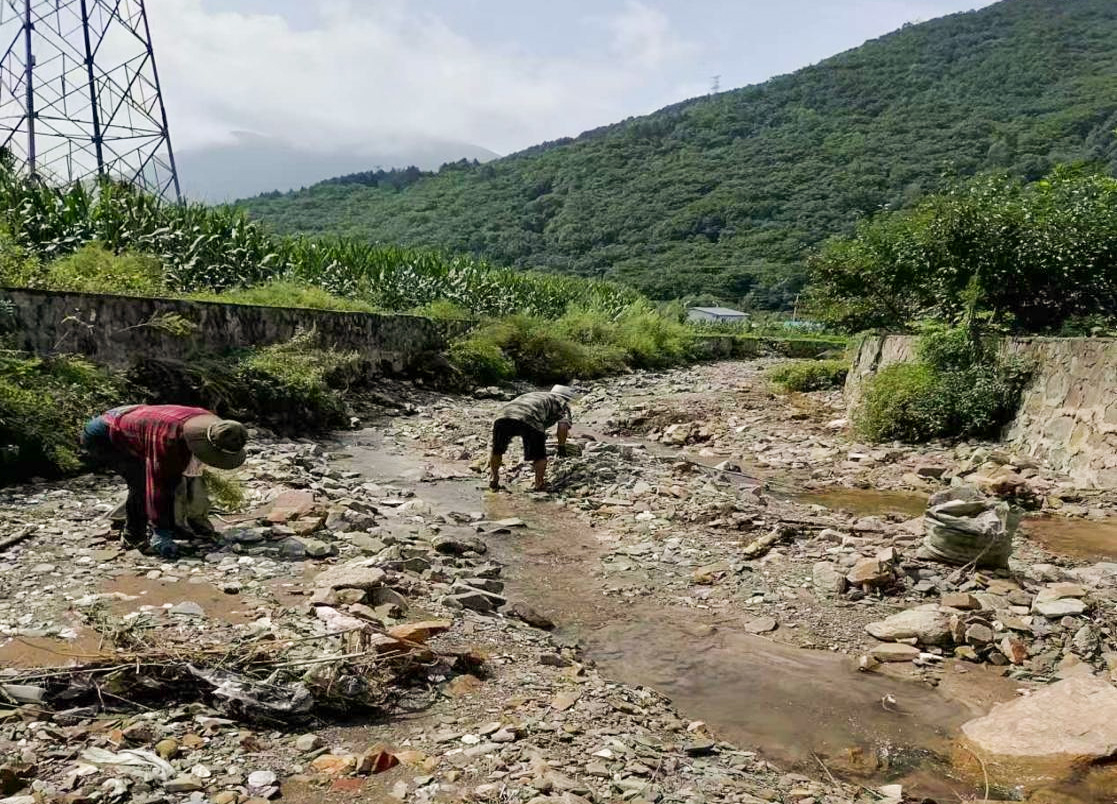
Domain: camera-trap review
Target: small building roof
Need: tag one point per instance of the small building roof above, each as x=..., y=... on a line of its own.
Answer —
x=719, y=311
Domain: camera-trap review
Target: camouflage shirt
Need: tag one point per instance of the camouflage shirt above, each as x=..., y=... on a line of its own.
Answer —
x=538, y=410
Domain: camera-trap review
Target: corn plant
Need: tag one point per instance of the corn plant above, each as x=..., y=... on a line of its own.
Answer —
x=203, y=248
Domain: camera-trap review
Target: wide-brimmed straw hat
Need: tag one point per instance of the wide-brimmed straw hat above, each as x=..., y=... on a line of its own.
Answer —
x=215, y=441
x=566, y=392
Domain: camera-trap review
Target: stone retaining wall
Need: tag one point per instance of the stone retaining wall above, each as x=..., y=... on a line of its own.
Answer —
x=1068, y=413
x=115, y=329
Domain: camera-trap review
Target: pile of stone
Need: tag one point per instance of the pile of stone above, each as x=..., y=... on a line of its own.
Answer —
x=1048, y=625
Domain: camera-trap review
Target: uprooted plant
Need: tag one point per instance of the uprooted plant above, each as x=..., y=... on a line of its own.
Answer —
x=261, y=679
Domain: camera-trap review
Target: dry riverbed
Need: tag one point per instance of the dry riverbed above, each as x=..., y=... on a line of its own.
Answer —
x=712, y=565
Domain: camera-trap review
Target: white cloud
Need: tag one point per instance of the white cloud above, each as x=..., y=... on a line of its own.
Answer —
x=384, y=71
x=645, y=37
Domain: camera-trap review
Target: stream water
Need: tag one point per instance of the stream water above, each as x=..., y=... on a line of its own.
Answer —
x=802, y=708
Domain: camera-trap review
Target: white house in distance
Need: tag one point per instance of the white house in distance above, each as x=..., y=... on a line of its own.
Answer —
x=707, y=315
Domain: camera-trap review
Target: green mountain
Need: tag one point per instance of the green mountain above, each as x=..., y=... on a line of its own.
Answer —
x=724, y=196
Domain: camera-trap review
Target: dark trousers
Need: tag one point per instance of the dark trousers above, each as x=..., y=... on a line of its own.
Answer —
x=101, y=453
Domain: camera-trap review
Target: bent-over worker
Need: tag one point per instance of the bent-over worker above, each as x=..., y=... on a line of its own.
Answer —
x=529, y=417
x=152, y=447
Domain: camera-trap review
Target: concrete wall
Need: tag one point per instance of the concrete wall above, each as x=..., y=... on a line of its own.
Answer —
x=1068, y=413
x=113, y=329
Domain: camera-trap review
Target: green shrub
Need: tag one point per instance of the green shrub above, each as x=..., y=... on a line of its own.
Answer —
x=538, y=350
x=285, y=293
x=960, y=388
x=810, y=375
x=952, y=348
x=90, y=269
x=1028, y=257
x=18, y=269
x=43, y=404
x=653, y=340
x=584, y=343
x=296, y=387
x=1087, y=326
x=898, y=404
x=481, y=360
x=443, y=310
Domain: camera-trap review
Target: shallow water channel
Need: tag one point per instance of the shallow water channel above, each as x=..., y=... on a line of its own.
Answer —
x=808, y=710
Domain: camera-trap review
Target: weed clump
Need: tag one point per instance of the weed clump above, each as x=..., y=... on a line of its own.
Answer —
x=809, y=375
x=90, y=269
x=225, y=490
x=481, y=360
x=295, y=387
x=959, y=388
x=582, y=343
x=286, y=293
x=43, y=404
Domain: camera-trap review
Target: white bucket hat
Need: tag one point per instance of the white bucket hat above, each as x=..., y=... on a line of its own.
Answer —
x=566, y=392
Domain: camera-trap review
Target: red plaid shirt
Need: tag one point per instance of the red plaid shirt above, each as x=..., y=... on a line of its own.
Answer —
x=153, y=434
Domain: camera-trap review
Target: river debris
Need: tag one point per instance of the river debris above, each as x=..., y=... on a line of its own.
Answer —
x=263, y=679
x=248, y=670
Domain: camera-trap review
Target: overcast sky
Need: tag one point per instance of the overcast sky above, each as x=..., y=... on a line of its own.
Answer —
x=503, y=74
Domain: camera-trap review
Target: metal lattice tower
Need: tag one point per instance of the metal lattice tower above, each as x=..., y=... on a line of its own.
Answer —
x=80, y=95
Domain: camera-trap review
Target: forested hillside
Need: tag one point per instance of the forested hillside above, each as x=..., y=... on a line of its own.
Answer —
x=724, y=196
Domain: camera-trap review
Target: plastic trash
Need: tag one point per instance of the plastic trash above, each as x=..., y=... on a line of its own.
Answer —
x=22, y=693
x=254, y=700
x=135, y=761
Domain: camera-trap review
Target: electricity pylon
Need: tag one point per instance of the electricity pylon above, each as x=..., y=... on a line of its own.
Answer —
x=80, y=96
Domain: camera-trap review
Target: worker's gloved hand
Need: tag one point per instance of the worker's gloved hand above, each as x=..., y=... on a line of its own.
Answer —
x=163, y=543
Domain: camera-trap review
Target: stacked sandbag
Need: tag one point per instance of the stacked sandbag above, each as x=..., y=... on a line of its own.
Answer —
x=962, y=526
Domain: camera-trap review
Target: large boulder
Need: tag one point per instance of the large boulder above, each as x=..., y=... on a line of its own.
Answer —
x=1048, y=735
x=359, y=574
x=870, y=572
x=927, y=625
x=293, y=504
x=827, y=579
x=1098, y=576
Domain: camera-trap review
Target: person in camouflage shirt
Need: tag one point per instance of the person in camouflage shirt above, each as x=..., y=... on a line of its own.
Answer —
x=529, y=417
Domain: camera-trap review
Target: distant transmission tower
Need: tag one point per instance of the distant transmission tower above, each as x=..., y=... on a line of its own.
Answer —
x=80, y=95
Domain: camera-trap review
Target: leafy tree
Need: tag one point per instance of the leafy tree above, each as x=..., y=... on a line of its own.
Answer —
x=1019, y=256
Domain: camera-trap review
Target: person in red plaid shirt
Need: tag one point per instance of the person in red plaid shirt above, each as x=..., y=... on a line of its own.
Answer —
x=151, y=447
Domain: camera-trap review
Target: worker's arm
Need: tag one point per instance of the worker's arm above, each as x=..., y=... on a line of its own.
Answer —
x=563, y=432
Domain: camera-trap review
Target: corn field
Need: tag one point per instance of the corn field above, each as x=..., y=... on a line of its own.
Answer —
x=205, y=248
